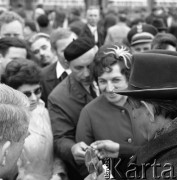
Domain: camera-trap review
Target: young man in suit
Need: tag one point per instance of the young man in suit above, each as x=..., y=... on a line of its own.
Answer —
x=91, y=28
x=53, y=74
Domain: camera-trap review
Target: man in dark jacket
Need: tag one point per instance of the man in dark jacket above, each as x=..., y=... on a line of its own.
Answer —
x=53, y=74
x=67, y=100
x=91, y=29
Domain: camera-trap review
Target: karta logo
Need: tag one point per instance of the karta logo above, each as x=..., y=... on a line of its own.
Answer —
x=154, y=170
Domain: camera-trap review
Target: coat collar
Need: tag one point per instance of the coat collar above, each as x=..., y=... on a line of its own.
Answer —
x=51, y=72
x=156, y=146
x=77, y=88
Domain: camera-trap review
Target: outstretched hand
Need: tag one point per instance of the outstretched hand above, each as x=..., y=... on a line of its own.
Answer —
x=106, y=148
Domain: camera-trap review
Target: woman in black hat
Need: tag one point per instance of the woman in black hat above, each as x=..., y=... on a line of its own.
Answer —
x=152, y=84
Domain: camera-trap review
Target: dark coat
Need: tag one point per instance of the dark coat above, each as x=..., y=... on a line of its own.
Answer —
x=161, y=154
x=86, y=32
x=65, y=104
x=49, y=81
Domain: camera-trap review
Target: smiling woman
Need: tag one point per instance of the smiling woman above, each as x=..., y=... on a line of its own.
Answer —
x=36, y=159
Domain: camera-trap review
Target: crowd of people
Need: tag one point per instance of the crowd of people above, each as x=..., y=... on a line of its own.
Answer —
x=75, y=91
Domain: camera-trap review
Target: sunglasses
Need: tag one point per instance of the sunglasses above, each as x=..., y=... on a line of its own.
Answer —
x=37, y=91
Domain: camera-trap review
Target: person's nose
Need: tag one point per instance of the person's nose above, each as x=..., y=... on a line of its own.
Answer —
x=33, y=97
x=109, y=87
x=86, y=72
x=42, y=52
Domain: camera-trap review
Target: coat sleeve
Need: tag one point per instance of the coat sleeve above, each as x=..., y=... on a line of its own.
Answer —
x=63, y=130
x=127, y=149
x=84, y=130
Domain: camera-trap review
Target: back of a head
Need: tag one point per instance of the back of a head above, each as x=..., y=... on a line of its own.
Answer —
x=122, y=17
x=21, y=71
x=43, y=21
x=14, y=119
x=159, y=24
x=110, y=20
x=163, y=40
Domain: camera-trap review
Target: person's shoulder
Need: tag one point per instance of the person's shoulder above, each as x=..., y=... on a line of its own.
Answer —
x=61, y=90
x=95, y=103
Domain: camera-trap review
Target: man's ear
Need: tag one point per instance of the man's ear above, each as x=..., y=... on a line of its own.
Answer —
x=150, y=109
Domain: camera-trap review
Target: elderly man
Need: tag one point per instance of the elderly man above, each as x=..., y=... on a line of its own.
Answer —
x=42, y=49
x=56, y=72
x=14, y=123
x=67, y=100
x=141, y=36
x=11, y=25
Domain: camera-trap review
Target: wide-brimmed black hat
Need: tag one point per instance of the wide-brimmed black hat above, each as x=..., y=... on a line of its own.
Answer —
x=153, y=76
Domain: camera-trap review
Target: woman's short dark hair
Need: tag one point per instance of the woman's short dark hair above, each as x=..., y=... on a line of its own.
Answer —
x=107, y=56
x=21, y=71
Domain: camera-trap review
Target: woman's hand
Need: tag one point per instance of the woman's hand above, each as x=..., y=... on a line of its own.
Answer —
x=106, y=148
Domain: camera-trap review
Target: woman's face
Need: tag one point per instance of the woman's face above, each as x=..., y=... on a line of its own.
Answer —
x=111, y=81
x=33, y=92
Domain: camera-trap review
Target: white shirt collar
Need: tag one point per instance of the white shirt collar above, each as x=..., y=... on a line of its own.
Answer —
x=92, y=28
x=60, y=70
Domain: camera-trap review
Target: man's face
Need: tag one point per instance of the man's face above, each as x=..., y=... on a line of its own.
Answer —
x=80, y=67
x=12, y=29
x=111, y=81
x=93, y=16
x=42, y=51
x=12, y=54
x=61, y=44
x=141, y=47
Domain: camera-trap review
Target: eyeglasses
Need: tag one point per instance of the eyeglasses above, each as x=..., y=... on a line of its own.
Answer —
x=37, y=91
